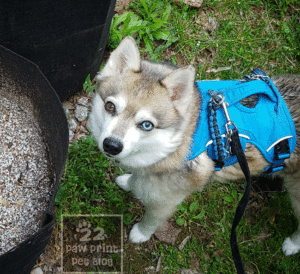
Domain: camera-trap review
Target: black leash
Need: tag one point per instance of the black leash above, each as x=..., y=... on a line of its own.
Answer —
x=236, y=149
x=222, y=153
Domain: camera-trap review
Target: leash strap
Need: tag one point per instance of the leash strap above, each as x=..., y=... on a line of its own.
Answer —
x=233, y=141
x=236, y=149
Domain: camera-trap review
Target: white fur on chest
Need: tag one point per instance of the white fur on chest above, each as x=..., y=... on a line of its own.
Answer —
x=151, y=189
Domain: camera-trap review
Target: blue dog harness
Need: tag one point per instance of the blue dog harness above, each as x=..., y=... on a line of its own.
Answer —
x=268, y=126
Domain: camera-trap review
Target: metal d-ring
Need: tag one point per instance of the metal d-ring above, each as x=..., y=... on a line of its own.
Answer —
x=217, y=98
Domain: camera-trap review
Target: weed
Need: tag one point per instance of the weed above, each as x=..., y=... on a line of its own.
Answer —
x=87, y=85
x=188, y=213
x=149, y=23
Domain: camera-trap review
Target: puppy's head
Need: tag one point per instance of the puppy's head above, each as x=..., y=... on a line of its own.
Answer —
x=139, y=110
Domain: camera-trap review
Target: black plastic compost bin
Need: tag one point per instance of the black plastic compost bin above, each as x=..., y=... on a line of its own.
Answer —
x=24, y=78
x=65, y=38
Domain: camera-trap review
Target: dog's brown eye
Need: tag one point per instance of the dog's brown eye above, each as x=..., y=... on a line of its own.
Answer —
x=109, y=106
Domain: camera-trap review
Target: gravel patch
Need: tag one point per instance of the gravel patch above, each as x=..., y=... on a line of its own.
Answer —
x=25, y=179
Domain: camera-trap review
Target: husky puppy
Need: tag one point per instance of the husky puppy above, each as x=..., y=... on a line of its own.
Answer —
x=144, y=115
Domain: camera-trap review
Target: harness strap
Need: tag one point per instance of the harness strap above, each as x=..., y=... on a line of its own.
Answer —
x=238, y=92
x=236, y=149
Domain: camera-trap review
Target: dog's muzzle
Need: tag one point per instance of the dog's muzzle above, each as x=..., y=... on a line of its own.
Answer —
x=112, y=146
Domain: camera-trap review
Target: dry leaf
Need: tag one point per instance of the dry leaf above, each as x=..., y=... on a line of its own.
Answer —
x=167, y=233
x=183, y=243
x=218, y=69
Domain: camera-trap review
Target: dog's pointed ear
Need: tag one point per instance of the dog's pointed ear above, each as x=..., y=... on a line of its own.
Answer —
x=125, y=56
x=180, y=85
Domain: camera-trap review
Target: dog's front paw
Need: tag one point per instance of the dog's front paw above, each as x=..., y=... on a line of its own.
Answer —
x=136, y=236
x=289, y=248
x=122, y=181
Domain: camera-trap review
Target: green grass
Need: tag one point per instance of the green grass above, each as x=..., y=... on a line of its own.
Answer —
x=248, y=34
x=87, y=186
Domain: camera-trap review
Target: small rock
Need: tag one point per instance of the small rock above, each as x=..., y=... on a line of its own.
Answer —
x=192, y=3
x=81, y=113
x=37, y=271
x=71, y=135
x=211, y=24
x=91, y=94
x=189, y=271
x=72, y=124
x=83, y=101
x=88, y=125
x=150, y=270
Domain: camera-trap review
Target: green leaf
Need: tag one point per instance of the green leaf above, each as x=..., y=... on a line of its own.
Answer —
x=162, y=35
x=120, y=19
x=115, y=39
x=154, y=15
x=227, y=198
x=167, y=12
x=126, y=22
x=157, y=25
x=87, y=85
x=127, y=218
x=180, y=221
x=183, y=207
x=148, y=44
x=194, y=206
x=153, y=7
x=134, y=30
x=145, y=6
x=200, y=215
x=136, y=21
x=87, y=82
x=234, y=194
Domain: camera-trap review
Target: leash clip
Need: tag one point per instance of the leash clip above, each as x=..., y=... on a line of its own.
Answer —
x=219, y=100
x=229, y=130
x=230, y=126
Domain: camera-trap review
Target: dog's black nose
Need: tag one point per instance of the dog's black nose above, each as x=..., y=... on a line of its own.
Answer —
x=112, y=146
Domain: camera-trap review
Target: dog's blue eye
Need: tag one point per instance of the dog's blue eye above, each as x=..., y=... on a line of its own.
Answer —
x=147, y=126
